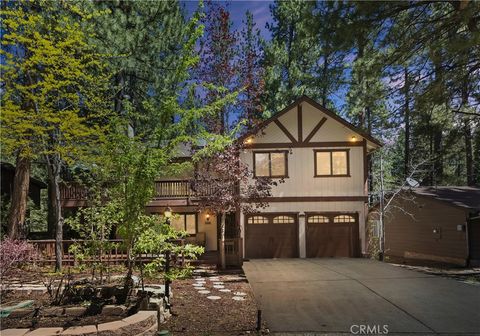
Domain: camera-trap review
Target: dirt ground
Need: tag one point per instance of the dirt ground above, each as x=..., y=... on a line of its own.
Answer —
x=195, y=314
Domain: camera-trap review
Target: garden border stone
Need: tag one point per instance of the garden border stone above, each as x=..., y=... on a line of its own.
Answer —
x=143, y=323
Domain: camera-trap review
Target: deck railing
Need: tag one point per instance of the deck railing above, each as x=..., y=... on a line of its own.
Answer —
x=116, y=255
x=233, y=251
x=73, y=191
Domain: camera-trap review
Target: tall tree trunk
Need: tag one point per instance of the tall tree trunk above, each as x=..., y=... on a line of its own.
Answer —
x=467, y=133
x=438, y=156
x=18, y=204
x=55, y=206
x=223, y=261
x=406, y=158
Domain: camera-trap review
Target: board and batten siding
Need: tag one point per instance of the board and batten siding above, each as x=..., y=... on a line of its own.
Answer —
x=410, y=233
x=300, y=131
x=301, y=171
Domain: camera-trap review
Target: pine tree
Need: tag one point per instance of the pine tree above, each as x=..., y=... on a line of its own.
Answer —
x=218, y=65
x=291, y=54
x=250, y=72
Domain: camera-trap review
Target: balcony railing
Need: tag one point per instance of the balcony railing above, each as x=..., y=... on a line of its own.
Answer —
x=165, y=189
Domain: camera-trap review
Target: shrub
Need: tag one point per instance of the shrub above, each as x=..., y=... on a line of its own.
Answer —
x=14, y=254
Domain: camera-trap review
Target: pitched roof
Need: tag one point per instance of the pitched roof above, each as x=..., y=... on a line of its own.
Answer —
x=312, y=102
x=463, y=197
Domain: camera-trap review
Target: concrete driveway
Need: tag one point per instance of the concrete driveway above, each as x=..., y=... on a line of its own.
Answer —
x=342, y=295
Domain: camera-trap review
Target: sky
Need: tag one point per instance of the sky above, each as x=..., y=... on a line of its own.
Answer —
x=260, y=11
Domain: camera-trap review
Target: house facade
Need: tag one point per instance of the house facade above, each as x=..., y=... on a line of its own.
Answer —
x=318, y=211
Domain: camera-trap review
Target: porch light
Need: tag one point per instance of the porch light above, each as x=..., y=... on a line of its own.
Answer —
x=248, y=141
x=354, y=138
x=168, y=213
x=207, y=218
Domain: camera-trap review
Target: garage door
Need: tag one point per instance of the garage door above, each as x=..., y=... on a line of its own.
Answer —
x=332, y=235
x=271, y=236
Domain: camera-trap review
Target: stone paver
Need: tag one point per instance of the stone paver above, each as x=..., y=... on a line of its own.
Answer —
x=45, y=332
x=14, y=332
x=115, y=328
x=238, y=298
x=213, y=297
x=88, y=330
x=204, y=292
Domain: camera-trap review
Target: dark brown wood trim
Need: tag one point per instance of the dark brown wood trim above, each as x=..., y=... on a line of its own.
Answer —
x=299, y=123
x=304, y=144
x=285, y=130
x=311, y=199
x=315, y=129
x=270, y=163
x=315, y=151
x=310, y=101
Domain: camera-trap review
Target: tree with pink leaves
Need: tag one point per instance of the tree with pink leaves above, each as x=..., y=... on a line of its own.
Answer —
x=225, y=185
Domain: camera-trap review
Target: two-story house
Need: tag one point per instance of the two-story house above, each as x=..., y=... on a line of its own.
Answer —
x=319, y=210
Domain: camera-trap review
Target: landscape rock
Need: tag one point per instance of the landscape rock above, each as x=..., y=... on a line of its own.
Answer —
x=52, y=311
x=22, y=312
x=75, y=311
x=113, y=310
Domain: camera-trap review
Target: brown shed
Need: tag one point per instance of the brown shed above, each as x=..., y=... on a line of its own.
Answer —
x=439, y=224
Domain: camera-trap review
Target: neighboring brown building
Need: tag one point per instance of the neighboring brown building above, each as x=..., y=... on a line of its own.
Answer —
x=439, y=224
x=7, y=175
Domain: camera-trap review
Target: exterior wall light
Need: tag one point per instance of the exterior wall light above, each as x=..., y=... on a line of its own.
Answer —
x=207, y=218
x=354, y=138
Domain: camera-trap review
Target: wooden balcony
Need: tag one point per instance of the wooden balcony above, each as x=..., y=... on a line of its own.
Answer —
x=167, y=192
x=73, y=195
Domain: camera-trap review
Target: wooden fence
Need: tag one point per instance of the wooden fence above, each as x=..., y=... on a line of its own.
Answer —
x=117, y=255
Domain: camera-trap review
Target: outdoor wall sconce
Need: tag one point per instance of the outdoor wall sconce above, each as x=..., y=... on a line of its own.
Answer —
x=207, y=219
x=248, y=141
x=353, y=138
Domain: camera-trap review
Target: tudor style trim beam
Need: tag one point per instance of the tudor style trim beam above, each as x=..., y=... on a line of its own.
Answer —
x=299, y=123
x=312, y=199
x=285, y=130
x=315, y=129
x=280, y=145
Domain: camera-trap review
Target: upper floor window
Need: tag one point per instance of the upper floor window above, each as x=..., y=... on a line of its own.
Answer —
x=270, y=164
x=332, y=162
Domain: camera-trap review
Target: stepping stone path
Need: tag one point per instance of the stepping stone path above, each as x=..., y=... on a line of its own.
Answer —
x=203, y=283
x=238, y=298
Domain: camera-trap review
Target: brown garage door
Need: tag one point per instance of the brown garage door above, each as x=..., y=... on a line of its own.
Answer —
x=332, y=235
x=271, y=236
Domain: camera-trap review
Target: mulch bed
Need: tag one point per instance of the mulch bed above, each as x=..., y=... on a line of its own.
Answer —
x=194, y=314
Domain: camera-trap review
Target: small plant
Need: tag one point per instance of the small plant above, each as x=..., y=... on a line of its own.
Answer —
x=159, y=237
x=15, y=254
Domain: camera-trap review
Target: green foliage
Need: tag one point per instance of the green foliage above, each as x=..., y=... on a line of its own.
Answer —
x=94, y=225
x=156, y=238
x=53, y=82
